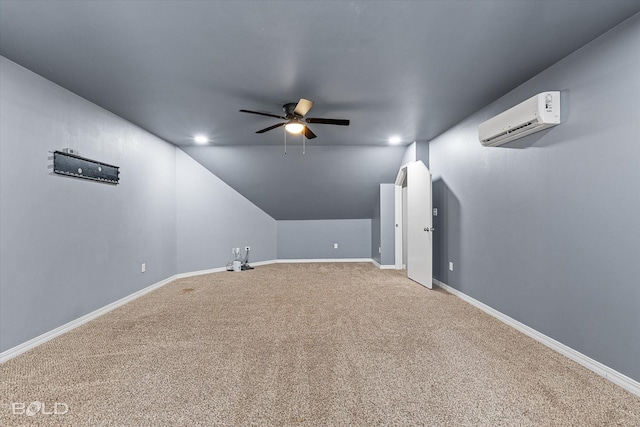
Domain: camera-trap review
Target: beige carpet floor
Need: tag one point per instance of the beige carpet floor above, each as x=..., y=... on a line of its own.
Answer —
x=305, y=344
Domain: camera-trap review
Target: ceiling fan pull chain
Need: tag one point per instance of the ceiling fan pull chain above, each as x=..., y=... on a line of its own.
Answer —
x=304, y=138
x=285, y=142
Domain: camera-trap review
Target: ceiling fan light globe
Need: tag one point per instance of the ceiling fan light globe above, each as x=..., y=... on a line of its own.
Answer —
x=294, y=127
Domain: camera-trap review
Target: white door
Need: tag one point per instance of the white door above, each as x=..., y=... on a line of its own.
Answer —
x=419, y=224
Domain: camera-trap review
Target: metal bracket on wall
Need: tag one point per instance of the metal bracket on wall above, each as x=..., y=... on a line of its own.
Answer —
x=80, y=167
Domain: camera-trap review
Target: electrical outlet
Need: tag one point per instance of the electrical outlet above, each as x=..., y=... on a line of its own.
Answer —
x=144, y=267
x=435, y=211
x=335, y=246
x=247, y=248
x=450, y=265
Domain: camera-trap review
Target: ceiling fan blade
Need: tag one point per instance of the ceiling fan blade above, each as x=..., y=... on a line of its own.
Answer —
x=308, y=134
x=270, y=128
x=339, y=122
x=262, y=114
x=303, y=107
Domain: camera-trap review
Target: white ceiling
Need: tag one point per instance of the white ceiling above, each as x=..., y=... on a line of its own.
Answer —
x=407, y=68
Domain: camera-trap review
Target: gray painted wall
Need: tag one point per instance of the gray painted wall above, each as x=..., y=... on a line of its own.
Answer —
x=422, y=152
x=314, y=239
x=545, y=229
x=387, y=224
x=409, y=155
x=212, y=218
x=375, y=232
x=70, y=246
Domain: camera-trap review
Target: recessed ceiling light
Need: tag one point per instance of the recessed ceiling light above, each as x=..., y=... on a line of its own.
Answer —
x=394, y=140
x=201, y=139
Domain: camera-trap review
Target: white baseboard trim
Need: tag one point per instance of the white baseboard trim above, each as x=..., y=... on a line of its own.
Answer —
x=259, y=263
x=200, y=272
x=382, y=266
x=612, y=375
x=41, y=339
x=219, y=269
x=290, y=261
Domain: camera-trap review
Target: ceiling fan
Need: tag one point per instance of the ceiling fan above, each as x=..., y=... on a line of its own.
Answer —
x=295, y=122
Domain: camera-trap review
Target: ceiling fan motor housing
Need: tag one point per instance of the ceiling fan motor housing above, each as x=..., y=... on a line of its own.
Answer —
x=289, y=110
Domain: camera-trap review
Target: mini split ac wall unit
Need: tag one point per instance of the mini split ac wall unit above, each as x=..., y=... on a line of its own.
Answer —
x=533, y=115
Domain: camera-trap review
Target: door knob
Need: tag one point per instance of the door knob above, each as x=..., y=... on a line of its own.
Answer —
x=429, y=229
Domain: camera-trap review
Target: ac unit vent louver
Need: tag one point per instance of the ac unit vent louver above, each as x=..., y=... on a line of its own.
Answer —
x=533, y=115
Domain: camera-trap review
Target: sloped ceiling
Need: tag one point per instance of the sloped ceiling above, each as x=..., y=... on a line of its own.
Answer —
x=339, y=182
x=406, y=68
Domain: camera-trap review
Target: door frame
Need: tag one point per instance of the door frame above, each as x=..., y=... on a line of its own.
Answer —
x=400, y=179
